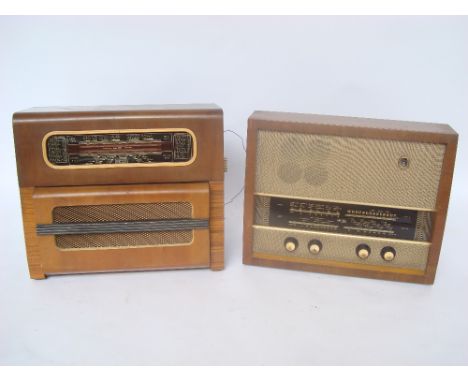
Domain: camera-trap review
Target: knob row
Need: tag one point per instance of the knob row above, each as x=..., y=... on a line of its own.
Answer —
x=363, y=251
x=291, y=244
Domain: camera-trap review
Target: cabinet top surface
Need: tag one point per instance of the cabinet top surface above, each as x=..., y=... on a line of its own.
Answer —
x=353, y=122
x=91, y=111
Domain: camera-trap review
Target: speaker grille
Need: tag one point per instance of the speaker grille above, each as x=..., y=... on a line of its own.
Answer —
x=123, y=212
x=346, y=169
x=112, y=240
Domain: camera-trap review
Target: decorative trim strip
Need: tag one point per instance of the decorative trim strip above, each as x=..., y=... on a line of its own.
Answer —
x=125, y=226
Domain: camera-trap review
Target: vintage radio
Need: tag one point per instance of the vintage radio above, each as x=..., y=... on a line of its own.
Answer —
x=121, y=188
x=349, y=196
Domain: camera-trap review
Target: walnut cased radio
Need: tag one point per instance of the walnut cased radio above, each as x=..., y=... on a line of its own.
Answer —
x=349, y=196
x=121, y=188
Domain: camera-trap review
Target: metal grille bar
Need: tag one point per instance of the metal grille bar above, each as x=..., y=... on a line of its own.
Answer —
x=122, y=226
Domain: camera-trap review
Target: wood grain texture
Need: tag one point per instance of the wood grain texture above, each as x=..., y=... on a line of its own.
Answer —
x=29, y=223
x=365, y=127
x=30, y=127
x=43, y=187
x=217, y=225
x=57, y=261
x=443, y=198
x=359, y=128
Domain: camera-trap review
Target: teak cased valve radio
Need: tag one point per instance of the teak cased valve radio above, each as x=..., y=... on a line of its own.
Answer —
x=348, y=196
x=121, y=188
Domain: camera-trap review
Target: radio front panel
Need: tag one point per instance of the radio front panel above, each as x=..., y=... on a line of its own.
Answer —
x=346, y=195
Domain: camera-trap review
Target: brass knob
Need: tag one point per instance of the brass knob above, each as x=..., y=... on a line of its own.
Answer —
x=363, y=251
x=290, y=244
x=315, y=246
x=388, y=253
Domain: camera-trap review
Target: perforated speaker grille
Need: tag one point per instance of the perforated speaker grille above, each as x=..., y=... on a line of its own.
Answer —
x=340, y=248
x=357, y=170
x=123, y=212
x=112, y=240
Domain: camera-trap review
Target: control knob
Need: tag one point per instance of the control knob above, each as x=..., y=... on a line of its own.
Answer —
x=363, y=251
x=291, y=244
x=388, y=253
x=315, y=246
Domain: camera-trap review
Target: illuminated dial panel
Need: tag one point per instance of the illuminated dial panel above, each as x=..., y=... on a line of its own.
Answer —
x=343, y=218
x=119, y=148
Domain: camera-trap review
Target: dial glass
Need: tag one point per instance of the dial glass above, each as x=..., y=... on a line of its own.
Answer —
x=119, y=148
x=343, y=218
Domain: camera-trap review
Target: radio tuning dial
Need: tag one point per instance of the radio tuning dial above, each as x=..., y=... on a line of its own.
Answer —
x=315, y=246
x=290, y=244
x=388, y=253
x=363, y=251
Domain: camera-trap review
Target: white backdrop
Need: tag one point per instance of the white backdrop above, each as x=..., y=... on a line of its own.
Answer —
x=409, y=68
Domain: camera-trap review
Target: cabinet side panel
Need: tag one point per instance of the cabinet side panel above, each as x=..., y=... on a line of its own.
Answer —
x=249, y=191
x=443, y=197
x=29, y=223
x=217, y=225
